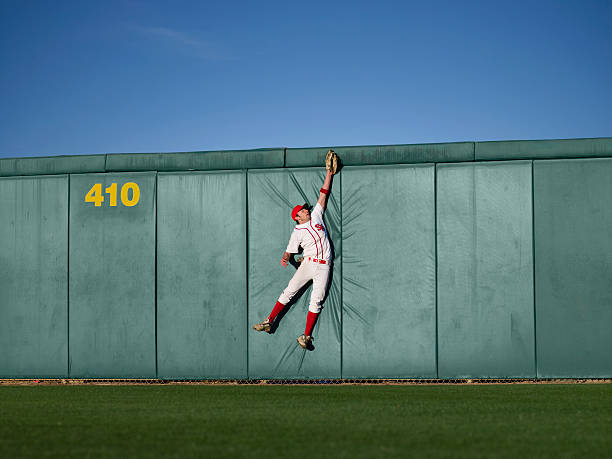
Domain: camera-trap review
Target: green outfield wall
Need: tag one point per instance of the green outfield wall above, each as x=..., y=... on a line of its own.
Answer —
x=451, y=260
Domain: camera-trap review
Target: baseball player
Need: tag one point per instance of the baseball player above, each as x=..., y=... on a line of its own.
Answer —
x=311, y=235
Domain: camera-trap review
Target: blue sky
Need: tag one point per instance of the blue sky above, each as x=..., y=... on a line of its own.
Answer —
x=80, y=77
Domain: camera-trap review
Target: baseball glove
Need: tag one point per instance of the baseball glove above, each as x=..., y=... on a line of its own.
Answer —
x=331, y=161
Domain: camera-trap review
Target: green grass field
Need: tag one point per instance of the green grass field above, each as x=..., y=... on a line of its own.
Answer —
x=306, y=421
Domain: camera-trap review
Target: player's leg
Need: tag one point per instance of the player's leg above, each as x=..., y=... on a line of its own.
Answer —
x=299, y=279
x=319, y=284
x=301, y=276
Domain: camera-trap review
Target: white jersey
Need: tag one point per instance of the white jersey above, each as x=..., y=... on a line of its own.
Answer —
x=312, y=236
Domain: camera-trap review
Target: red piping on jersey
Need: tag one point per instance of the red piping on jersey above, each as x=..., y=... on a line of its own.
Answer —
x=310, y=221
x=313, y=238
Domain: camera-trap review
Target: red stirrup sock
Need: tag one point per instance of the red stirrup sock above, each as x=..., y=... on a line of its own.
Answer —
x=311, y=320
x=278, y=307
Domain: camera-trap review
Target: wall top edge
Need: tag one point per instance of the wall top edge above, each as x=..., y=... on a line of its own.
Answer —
x=270, y=158
x=507, y=162
x=544, y=149
x=542, y=140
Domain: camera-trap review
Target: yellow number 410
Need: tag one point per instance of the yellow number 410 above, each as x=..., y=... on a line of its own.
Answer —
x=95, y=194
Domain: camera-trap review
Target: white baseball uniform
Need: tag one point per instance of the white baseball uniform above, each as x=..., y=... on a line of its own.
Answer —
x=312, y=237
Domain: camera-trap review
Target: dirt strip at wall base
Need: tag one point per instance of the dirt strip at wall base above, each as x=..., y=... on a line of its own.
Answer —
x=277, y=382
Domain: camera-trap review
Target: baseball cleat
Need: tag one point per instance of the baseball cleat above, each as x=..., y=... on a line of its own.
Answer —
x=305, y=342
x=265, y=326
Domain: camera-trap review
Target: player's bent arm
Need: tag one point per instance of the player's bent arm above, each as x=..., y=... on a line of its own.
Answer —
x=325, y=189
x=285, y=259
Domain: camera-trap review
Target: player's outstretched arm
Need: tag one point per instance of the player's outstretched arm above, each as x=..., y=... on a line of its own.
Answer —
x=325, y=189
x=332, y=164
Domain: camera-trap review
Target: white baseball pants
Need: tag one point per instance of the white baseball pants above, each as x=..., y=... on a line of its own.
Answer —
x=308, y=270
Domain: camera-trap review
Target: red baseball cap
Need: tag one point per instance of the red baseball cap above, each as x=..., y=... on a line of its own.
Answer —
x=296, y=209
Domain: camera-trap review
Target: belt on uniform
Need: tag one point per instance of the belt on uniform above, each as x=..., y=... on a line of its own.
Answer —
x=317, y=260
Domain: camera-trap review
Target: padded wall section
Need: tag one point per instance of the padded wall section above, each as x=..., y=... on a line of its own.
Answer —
x=201, y=275
x=112, y=278
x=527, y=149
x=52, y=165
x=199, y=160
x=33, y=277
x=485, y=271
x=271, y=196
x=383, y=154
x=389, y=279
x=573, y=247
